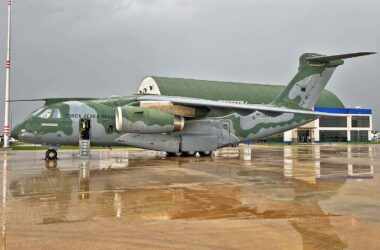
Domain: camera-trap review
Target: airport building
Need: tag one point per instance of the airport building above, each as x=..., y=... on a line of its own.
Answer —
x=353, y=124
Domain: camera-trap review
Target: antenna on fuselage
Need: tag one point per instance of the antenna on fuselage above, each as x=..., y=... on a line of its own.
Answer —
x=7, y=127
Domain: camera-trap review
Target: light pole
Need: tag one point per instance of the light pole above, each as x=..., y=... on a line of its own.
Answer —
x=7, y=127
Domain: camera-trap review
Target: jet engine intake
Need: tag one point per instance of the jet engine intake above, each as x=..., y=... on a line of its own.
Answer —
x=131, y=119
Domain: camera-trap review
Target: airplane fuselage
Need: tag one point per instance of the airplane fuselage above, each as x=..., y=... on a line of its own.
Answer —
x=58, y=124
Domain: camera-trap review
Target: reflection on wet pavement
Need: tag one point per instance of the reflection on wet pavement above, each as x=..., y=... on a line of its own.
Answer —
x=287, y=197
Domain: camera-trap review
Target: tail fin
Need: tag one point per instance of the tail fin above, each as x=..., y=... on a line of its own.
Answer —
x=314, y=72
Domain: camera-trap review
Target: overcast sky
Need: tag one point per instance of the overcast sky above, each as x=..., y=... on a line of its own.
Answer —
x=99, y=48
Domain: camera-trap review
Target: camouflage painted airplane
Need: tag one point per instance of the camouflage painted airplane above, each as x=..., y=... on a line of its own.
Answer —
x=178, y=124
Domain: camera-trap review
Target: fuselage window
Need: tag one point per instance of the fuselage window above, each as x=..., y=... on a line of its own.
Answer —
x=46, y=114
x=56, y=114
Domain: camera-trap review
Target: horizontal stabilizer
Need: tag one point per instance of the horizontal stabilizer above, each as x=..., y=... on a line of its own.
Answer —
x=326, y=59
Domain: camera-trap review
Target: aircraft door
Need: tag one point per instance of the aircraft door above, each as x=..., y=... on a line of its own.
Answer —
x=225, y=137
x=226, y=127
x=84, y=129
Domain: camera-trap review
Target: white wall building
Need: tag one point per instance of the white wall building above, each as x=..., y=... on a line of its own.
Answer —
x=355, y=125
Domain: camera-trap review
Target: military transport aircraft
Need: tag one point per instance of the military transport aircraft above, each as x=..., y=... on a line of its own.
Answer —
x=178, y=124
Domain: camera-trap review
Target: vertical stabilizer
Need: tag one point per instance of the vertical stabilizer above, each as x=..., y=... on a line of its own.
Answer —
x=314, y=72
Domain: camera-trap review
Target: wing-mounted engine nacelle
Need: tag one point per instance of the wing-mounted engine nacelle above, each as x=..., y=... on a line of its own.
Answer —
x=131, y=119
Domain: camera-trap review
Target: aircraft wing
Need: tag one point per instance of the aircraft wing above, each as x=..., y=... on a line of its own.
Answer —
x=53, y=100
x=197, y=102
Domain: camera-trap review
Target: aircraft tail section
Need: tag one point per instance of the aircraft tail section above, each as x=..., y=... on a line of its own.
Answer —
x=314, y=72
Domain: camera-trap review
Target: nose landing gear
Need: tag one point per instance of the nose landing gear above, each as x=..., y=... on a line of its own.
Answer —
x=51, y=155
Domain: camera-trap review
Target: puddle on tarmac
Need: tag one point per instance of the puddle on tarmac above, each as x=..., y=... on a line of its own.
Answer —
x=301, y=197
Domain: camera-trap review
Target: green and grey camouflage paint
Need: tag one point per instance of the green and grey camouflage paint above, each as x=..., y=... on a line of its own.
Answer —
x=120, y=121
x=131, y=119
x=65, y=129
x=305, y=88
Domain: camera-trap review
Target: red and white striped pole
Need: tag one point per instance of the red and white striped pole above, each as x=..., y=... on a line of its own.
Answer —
x=7, y=127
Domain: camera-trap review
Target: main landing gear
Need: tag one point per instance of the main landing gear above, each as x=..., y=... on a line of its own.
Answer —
x=51, y=155
x=192, y=153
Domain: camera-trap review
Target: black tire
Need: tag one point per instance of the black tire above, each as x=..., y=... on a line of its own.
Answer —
x=206, y=153
x=190, y=153
x=171, y=154
x=51, y=155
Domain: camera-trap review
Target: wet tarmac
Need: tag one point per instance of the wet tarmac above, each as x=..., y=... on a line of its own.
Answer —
x=287, y=197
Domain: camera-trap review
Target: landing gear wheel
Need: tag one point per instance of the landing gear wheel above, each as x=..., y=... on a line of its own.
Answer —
x=51, y=155
x=206, y=153
x=190, y=153
x=170, y=154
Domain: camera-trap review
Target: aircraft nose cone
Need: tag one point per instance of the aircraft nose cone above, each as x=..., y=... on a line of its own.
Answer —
x=15, y=132
x=20, y=133
x=25, y=136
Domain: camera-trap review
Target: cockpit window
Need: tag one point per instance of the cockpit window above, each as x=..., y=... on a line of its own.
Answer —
x=56, y=114
x=46, y=114
x=37, y=111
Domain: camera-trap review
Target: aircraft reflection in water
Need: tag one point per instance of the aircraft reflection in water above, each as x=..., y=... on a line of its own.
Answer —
x=84, y=180
x=149, y=190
